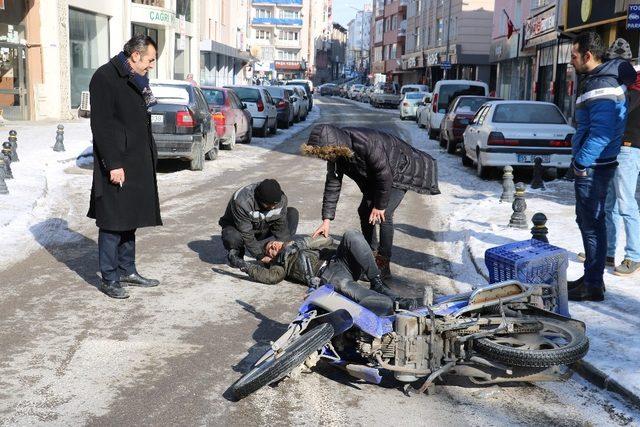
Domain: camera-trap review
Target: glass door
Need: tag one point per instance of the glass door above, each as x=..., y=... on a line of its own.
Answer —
x=153, y=33
x=13, y=88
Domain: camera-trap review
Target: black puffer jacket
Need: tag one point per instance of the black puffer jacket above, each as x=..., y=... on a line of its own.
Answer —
x=380, y=161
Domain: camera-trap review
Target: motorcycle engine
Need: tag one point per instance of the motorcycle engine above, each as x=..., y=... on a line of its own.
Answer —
x=412, y=345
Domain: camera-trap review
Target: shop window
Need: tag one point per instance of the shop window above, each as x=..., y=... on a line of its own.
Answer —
x=183, y=7
x=88, y=49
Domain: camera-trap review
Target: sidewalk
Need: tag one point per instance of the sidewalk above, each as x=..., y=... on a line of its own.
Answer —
x=613, y=326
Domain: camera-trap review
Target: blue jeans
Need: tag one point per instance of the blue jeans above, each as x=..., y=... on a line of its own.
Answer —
x=622, y=204
x=591, y=194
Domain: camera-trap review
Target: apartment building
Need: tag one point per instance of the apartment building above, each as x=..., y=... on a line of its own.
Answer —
x=447, y=39
x=358, y=41
x=388, y=36
x=330, y=58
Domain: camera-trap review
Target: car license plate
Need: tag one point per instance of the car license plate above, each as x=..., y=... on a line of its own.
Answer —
x=530, y=158
x=157, y=118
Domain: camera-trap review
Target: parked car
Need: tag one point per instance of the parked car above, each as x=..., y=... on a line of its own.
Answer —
x=410, y=103
x=515, y=133
x=353, y=90
x=301, y=102
x=366, y=94
x=284, y=105
x=231, y=119
x=385, y=95
x=181, y=123
x=328, y=89
x=308, y=87
x=443, y=93
x=458, y=116
x=413, y=88
x=261, y=107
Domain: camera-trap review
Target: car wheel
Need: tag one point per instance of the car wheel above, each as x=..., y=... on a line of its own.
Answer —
x=432, y=134
x=452, y=146
x=402, y=117
x=264, y=130
x=466, y=161
x=303, y=118
x=197, y=163
x=483, y=172
x=213, y=153
x=285, y=125
x=231, y=142
x=274, y=129
x=248, y=135
x=296, y=118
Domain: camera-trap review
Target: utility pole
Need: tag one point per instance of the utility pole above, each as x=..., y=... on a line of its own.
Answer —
x=446, y=70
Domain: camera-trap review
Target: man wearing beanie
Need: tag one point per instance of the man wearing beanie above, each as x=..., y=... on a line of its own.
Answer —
x=255, y=213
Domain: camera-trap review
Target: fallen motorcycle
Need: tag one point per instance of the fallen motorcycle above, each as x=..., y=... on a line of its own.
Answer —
x=496, y=333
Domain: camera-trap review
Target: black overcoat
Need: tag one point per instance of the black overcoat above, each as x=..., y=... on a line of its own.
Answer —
x=122, y=138
x=380, y=161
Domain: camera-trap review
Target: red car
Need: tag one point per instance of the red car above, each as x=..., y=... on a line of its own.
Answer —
x=459, y=115
x=230, y=116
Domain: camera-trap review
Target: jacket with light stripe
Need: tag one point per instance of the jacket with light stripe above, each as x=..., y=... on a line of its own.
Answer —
x=601, y=114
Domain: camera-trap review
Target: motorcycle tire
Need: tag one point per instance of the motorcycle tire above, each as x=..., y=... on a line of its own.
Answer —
x=276, y=368
x=504, y=348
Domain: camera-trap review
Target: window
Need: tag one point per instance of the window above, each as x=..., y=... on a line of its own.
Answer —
x=213, y=96
x=379, y=31
x=247, y=94
x=377, y=54
x=454, y=28
x=263, y=35
x=268, y=53
x=89, y=49
x=449, y=92
x=528, y=113
x=439, y=31
x=289, y=14
x=183, y=7
x=288, y=35
x=264, y=13
x=418, y=41
x=393, y=51
x=418, y=6
x=394, y=22
x=182, y=64
x=285, y=55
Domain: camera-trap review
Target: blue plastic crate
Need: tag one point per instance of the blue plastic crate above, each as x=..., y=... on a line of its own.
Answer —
x=532, y=262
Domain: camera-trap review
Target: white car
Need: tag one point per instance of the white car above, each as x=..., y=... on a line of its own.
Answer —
x=353, y=90
x=413, y=88
x=301, y=101
x=262, y=107
x=444, y=92
x=410, y=102
x=515, y=133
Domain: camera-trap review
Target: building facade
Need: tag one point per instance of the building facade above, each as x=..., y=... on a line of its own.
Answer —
x=358, y=42
x=330, y=59
x=388, y=35
x=448, y=39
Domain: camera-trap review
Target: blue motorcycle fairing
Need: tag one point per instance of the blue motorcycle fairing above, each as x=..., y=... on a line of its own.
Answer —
x=340, y=320
x=327, y=298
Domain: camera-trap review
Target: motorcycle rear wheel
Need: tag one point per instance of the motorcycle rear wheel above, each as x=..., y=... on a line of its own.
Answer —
x=280, y=364
x=556, y=343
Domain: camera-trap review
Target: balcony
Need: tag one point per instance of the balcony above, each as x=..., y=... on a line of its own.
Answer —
x=293, y=3
x=288, y=44
x=402, y=30
x=280, y=22
x=263, y=22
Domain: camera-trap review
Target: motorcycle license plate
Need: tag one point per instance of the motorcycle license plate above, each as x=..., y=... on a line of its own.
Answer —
x=157, y=118
x=530, y=158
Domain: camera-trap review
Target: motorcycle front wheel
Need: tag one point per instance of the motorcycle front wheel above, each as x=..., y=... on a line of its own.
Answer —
x=554, y=343
x=281, y=363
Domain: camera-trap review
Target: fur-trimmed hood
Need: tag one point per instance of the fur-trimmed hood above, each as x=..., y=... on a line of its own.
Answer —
x=328, y=142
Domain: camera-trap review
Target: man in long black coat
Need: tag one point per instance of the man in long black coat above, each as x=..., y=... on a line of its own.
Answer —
x=124, y=194
x=383, y=166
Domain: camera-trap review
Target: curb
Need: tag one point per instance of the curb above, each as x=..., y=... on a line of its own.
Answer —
x=583, y=368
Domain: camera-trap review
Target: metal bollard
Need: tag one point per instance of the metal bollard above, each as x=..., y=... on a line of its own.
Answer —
x=519, y=206
x=539, y=230
x=59, y=145
x=6, y=156
x=538, y=171
x=508, y=188
x=13, y=139
x=3, y=185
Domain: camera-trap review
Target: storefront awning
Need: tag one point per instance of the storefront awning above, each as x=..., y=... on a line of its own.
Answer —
x=223, y=49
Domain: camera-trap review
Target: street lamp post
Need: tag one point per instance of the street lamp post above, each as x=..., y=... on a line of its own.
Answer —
x=446, y=70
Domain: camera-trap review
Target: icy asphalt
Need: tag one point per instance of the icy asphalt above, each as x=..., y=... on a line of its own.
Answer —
x=166, y=356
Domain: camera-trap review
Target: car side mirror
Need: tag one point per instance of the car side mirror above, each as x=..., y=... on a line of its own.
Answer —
x=243, y=106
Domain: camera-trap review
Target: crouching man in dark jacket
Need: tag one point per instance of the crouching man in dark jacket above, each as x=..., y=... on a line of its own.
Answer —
x=383, y=166
x=257, y=212
x=303, y=259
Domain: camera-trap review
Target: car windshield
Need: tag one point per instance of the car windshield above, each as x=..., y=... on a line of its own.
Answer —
x=357, y=87
x=415, y=95
x=470, y=105
x=214, y=96
x=528, y=113
x=449, y=92
x=247, y=94
x=410, y=89
x=170, y=94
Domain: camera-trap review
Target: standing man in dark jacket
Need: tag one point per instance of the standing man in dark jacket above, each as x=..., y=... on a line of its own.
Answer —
x=601, y=114
x=124, y=194
x=255, y=213
x=383, y=166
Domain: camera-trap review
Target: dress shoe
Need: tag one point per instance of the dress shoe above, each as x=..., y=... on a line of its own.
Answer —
x=584, y=292
x=378, y=285
x=383, y=265
x=408, y=303
x=113, y=289
x=135, y=279
x=573, y=284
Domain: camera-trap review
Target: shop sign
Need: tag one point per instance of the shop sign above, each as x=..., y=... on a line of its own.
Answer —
x=589, y=13
x=152, y=15
x=411, y=62
x=633, y=17
x=432, y=59
x=540, y=24
x=263, y=66
x=288, y=65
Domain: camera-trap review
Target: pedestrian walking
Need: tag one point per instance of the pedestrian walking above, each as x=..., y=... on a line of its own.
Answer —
x=383, y=166
x=191, y=81
x=255, y=213
x=601, y=112
x=621, y=204
x=124, y=194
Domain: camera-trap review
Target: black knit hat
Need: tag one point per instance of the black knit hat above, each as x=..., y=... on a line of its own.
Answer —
x=268, y=192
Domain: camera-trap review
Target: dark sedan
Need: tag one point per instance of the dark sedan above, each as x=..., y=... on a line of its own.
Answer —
x=283, y=105
x=181, y=123
x=459, y=115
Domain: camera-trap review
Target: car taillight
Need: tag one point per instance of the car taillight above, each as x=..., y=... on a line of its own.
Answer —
x=281, y=104
x=562, y=142
x=260, y=105
x=434, y=103
x=219, y=118
x=184, y=119
x=497, y=138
